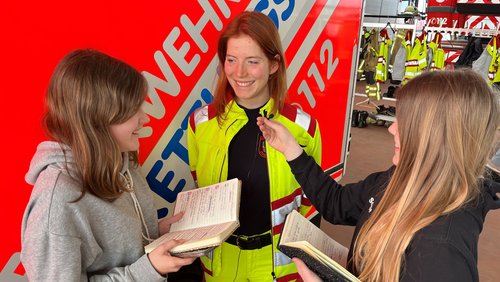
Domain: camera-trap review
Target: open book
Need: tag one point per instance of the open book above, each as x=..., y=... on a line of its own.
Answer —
x=211, y=216
x=322, y=254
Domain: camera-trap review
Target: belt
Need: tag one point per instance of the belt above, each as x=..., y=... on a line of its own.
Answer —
x=250, y=242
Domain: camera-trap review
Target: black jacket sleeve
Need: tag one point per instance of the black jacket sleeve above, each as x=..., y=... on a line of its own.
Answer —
x=336, y=203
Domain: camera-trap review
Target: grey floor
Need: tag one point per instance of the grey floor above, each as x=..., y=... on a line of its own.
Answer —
x=371, y=150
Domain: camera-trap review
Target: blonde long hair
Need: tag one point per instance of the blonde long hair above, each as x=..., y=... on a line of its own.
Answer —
x=260, y=28
x=447, y=122
x=88, y=92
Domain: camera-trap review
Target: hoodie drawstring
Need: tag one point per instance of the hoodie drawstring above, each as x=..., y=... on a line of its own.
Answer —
x=130, y=186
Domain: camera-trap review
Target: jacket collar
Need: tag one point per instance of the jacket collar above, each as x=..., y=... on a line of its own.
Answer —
x=234, y=111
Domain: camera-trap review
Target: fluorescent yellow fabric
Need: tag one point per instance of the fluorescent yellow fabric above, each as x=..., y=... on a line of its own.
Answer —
x=493, y=70
x=417, y=61
x=249, y=265
x=372, y=91
x=383, y=56
x=438, y=54
x=208, y=144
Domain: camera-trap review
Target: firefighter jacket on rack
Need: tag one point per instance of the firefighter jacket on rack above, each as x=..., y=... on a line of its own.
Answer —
x=493, y=50
x=364, y=46
x=383, y=56
x=398, y=54
x=471, y=52
x=487, y=63
x=417, y=60
x=368, y=66
x=436, y=53
x=368, y=56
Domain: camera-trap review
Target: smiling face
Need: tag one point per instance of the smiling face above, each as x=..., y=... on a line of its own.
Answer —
x=393, y=129
x=248, y=69
x=126, y=134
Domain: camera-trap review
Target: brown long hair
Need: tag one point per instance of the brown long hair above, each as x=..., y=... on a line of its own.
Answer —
x=88, y=92
x=447, y=122
x=260, y=28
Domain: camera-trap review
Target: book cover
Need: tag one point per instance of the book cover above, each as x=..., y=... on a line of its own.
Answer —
x=210, y=217
x=322, y=254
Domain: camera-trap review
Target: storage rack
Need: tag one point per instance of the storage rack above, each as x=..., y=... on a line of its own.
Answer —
x=395, y=26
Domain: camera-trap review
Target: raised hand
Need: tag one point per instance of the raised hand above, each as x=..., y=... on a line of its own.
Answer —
x=278, y=136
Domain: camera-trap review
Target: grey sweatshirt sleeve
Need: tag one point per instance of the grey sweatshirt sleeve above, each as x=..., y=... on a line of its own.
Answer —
x=141, y=270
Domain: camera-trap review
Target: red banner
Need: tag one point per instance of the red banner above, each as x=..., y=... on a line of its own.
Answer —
x=445, y=19
x=435, y=3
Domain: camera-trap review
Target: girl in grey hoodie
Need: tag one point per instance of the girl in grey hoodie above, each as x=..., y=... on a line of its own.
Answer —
x=91, y=211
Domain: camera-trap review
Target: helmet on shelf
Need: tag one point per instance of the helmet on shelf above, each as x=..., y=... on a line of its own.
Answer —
x=410, y=10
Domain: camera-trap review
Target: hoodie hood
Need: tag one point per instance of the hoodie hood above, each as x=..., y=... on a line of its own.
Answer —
x=58, y=155
x=49, y=153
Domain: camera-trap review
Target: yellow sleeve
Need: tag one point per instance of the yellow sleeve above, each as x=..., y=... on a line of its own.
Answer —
x=313, y=149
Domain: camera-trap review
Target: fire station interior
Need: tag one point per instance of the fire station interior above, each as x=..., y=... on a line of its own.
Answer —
x=371, y=145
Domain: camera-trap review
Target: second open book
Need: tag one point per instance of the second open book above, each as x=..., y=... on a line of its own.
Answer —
x=210, y=217
x=322, y=254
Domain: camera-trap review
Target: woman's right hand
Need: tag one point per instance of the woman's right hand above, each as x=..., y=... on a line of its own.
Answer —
x=163, y=262
x=278, y=136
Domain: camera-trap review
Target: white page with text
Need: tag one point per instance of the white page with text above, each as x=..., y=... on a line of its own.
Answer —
x=298, y=228
x=210, y=205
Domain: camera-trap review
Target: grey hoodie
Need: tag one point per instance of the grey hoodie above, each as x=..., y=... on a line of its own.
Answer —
x=88, y=240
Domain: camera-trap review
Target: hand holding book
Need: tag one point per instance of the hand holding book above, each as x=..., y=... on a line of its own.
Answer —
x=322, y=254
x=210, y=216
x=163, y=262
x=305, y=273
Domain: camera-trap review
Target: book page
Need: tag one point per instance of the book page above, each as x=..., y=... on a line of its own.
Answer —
x=298, y=228
x=210, y=216
x=322, y=265
x=201, y=236
x=320, y=256
x=208, y=205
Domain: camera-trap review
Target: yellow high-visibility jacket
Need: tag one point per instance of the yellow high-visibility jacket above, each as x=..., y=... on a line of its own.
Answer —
x=383, y=56
x=208, y=143
x=438, y=53
x=417, y=60
x=493, y=50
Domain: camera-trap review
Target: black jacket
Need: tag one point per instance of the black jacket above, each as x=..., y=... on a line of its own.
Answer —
x=472, y=52
x=445, y=250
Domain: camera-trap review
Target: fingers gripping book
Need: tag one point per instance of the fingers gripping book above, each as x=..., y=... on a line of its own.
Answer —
x=322, y=254
x=210, y=217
